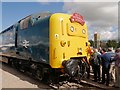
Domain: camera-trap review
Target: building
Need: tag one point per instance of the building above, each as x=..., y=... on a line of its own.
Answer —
x=96, y=40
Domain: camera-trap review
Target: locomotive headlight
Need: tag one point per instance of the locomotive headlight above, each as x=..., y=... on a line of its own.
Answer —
x=72, y=29
x=83, y=31
x=80, y=49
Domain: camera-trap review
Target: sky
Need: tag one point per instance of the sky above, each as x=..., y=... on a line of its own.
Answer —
x=100, y=17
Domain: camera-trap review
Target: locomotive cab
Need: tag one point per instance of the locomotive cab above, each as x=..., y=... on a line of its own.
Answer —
x=68, y=40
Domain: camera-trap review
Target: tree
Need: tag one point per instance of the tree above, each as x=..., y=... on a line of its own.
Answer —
x=111, y=43
x=102, y=44
x=118, y=46
x=91, y=43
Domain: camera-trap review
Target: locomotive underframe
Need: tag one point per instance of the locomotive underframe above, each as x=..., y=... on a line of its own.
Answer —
x=74, y=69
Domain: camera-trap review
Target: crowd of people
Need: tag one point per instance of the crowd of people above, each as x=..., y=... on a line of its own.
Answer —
x=106, y=66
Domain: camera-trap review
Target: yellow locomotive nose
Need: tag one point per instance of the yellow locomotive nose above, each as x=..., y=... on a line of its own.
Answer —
x=67, y=38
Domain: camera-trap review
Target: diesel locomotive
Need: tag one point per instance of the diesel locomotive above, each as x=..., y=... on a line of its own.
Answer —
x=47, y=45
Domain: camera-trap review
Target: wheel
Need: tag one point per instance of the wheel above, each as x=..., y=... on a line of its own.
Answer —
x=9, y=61
x=39, y=74
x=15, y=64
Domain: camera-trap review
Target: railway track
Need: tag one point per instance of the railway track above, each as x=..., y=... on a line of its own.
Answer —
x=64, y=84
x=74, y=85
x=83, y=84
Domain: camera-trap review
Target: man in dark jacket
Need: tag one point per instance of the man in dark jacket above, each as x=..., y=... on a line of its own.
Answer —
x=105, y=66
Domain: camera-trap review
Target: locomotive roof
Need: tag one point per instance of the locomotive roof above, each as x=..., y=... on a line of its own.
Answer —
x=7, y=29
x=42, y=14
x=37, y=15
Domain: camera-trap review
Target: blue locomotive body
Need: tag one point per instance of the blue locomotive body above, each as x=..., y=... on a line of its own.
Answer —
x=29, y=38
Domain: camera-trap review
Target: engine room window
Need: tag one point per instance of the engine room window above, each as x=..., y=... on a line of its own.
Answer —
x=24, y=23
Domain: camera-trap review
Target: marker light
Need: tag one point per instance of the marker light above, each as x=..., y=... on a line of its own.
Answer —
x=72, y=29
x=83, y=31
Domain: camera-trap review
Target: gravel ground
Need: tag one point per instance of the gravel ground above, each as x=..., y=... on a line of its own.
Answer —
x=11, y=78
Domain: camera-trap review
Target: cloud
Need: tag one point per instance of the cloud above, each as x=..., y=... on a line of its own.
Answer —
x=101, y=17
x=108, y=35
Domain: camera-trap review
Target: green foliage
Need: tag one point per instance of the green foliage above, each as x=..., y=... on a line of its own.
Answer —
x=91, y=42
x=112, y=43
x=107, y=44
x=118, y=44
